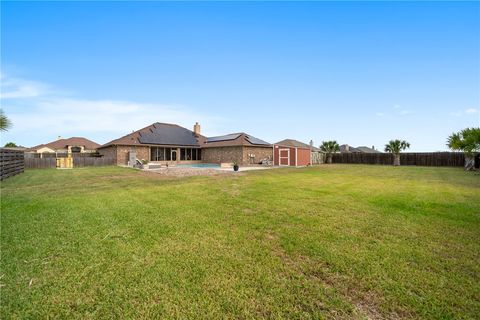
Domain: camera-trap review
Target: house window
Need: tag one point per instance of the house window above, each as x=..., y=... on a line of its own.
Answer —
x=187, y=154
x=76, y=149
x=159, y=154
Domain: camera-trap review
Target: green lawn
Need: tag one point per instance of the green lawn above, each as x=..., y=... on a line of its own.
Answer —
x=338, y=241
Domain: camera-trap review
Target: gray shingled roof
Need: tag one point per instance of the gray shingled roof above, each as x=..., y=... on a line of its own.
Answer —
x=254, y=140
x=167, y=134
x=367, y=150
x=234, y=139
x=296, y=143
x=362, y=149
x=226, y=137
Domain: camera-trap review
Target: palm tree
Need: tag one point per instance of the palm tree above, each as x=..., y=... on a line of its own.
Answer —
x=468, y=141
x=329, y=147
x=395, y=147
x=5, y=123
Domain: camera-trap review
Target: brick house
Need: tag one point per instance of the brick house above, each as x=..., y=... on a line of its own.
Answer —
x=166, y=143
x=70, y=145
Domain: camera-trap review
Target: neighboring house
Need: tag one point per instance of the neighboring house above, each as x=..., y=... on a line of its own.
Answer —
x=290, y=152
x=167, y=143
x=70, y=145
x=18, y=148
x=345, y=148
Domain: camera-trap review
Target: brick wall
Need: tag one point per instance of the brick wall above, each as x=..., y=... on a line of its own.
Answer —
x=259, y=154
x=209, y=155
x=108, y=152
x=121, y=153
x=238, y=154
x=223, y=154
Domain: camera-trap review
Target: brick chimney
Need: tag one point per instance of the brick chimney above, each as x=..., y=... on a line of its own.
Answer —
x=196, y=129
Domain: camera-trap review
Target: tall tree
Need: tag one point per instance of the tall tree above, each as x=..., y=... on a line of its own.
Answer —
x=10, y=145
x=330, y=147
x=5, y=123
x=395, y=147
x=468, y=141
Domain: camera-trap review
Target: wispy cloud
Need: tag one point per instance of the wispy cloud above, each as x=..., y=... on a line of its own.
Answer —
x=405, y=112
x=71, y=116
x=398, y=110
x=469, y=111
x=456, y=114
x=35, y=109
x=15, y=88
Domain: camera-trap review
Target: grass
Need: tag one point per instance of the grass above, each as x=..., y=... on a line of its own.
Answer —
x=350, y=242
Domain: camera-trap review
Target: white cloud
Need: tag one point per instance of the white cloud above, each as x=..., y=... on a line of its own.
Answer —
x=456, y=114
x=468, y=111
x=405, y=112
x=14, y=88
x=80, y=117
x=33, y=108
x=471, y=111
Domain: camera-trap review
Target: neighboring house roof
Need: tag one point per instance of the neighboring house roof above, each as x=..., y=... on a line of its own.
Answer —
x=64, y=143
x=362, y=149
x=19, y=148
x=296, y=143
x=159, y=134
x=367, y=150
x=235, y=139
x=344, y=147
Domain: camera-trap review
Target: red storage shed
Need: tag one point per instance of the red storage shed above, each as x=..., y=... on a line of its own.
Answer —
x=291, y=153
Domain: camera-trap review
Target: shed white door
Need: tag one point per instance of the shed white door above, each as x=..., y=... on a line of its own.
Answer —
x=284, y=157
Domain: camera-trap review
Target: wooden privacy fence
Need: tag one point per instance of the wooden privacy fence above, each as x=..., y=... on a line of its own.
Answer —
x=437, y=159
x=61, y=155
x=11, y=163
x=41, y=163
x=93, y=162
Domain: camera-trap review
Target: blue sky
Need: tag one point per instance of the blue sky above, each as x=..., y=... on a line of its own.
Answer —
x=359, y=73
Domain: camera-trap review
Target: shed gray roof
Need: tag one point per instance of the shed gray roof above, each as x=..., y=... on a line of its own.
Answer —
x=296, y=143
